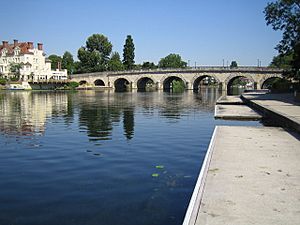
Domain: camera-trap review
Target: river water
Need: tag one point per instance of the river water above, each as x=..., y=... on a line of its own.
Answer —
x=102, y=158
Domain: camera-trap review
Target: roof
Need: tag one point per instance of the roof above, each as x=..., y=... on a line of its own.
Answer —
x=24, y=48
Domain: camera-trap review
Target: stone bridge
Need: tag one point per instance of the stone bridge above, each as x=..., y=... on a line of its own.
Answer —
x=192, y=77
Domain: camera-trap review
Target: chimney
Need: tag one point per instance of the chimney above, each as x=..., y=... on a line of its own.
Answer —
x=40, y=46
x=5, y=44
x=59, y=65
x=15, y=43
x=30, y=45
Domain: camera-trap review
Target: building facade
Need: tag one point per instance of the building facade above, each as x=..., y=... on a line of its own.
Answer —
x=30, y=61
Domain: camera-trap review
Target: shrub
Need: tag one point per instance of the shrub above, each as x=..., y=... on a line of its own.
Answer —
x=281, y=86
x=2, y=81
x=73, y=85
x=178, y=86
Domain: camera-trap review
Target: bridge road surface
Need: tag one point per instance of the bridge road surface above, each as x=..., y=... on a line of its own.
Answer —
x=251, y=175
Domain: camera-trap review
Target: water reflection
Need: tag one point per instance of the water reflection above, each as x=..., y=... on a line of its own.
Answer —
x=98, y=153
x=26, y=113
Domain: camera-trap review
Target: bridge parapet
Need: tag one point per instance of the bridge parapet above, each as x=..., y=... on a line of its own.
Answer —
x=216, y=69
x=190, y=76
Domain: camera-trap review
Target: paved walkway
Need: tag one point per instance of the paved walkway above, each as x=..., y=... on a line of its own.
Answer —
x=282, y=105
x=251, y=175
x=236, y=112
x=229, y=100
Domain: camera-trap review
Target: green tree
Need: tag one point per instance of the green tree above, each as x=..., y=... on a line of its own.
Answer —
x=284, y=15
x=55, y=59
x=115, y=64
x=283, y=61
x=68, y=62
x=148, y=65
x=128, y=53
x=172, y=61
x=95, y=55
x=15, y=70
x=233, y=64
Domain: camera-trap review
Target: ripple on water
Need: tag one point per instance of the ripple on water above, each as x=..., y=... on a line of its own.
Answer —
x=78, y=158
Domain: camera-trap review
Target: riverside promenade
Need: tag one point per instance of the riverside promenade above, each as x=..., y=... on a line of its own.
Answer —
x=251, y=175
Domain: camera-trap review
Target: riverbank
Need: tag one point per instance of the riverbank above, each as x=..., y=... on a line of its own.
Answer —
x=250, y=174
x=281, y=109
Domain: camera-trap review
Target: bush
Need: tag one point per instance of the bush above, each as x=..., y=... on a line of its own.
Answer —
x=281, y=86
x=15, y=78
x=178, y=86
x=2, y=81
x=73, y=85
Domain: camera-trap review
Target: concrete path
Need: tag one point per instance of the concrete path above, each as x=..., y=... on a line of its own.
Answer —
x=250, y=175
x=280, y=106
x=236, y=112
x=229, y=100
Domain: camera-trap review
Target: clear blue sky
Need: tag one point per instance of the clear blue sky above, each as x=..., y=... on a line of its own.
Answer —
x=205, y=31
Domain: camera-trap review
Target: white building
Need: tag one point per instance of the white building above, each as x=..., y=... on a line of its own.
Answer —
x=34, y=65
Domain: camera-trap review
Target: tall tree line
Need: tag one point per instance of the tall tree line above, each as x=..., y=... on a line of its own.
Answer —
x=97, y=55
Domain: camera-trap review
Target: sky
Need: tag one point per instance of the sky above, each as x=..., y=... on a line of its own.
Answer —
x=204, y=32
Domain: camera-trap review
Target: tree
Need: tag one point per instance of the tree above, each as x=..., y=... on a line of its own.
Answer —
x=172, y=61
x=68, y=62
x=15, y=70
x=128, y=53
x=95, y=55
x=55, y=59
x=148, y=65
x=285, y=15
x=283, y=61
x=233, y=64
x=115, y=64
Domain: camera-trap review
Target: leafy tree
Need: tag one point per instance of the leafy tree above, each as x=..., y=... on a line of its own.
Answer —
x=149, y=65
x=68, y=62
x=172, y=61
x=95, y=55
x=178, y=86
x=285, y=15
x=233, y=64
x=115, y=64
x=15, y=70
x=54, y=61
x=283, y=61
x=128, y=53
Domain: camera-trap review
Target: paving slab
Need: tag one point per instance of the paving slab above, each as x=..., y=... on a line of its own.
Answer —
x=229, y=100
x=250, y=175
x=236, y=112
x=278, y=107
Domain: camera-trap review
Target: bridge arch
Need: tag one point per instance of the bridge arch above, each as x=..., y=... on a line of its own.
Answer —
x=230, y=79
x=144, y=83
x=99, y=82
x=83, y=82
x=196, y=81
x=121, y=84
x=263, y=83
x=167, y=80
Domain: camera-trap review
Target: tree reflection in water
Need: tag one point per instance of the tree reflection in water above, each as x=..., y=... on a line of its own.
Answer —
x=26, y=113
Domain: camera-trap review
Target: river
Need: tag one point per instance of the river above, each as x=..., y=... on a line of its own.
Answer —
x=102, y=158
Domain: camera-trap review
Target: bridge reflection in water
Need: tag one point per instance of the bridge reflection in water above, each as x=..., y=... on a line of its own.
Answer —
x=26, y=113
